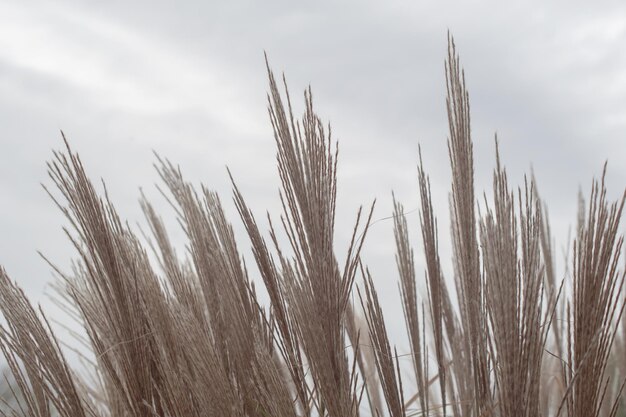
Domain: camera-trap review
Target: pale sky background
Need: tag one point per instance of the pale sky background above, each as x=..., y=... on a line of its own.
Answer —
x=187, y=79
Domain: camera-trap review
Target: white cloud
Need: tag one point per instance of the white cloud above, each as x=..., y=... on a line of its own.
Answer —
x=187, y=79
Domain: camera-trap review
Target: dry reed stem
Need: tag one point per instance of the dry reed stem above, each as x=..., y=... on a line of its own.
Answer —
x=187, y=336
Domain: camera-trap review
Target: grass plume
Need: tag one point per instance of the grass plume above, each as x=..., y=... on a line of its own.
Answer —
x=176, y=334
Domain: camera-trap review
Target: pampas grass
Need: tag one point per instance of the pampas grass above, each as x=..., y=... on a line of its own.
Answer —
x=186, y=335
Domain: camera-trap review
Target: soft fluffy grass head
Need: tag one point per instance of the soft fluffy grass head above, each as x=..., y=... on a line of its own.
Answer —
x=185, y=334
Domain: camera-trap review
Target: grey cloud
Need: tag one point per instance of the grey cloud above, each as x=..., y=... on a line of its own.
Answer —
x=187, y=79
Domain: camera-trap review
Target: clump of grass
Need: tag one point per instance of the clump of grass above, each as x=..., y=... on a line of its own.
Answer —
x=187, y=335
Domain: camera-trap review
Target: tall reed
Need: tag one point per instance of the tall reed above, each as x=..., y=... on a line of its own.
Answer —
x=185, y=334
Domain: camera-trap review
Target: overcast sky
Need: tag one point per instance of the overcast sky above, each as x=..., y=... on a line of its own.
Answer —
x=187, y=79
